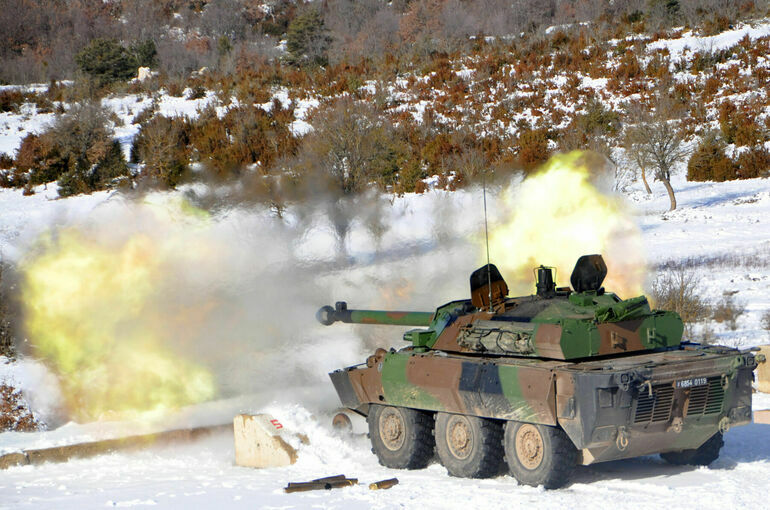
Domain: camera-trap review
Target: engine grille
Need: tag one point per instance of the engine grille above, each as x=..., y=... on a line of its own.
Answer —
x=655, y=408
x=706, y=399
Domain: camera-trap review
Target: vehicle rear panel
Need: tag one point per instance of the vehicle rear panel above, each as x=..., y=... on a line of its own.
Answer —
x=653, y=403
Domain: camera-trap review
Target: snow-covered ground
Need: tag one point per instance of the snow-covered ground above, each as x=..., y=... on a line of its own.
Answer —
x=202, y=475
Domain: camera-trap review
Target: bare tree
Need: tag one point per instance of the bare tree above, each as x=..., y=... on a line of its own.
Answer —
x=351, y=147
x=143, y=20
x=360, y=28
x=654, y=140
x=223, y=18
x=638, y=160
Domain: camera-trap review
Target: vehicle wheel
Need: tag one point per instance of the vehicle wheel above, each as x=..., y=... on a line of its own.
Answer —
x=402, y=438
x=539, y=454
x=704, y=455
x=469, y=446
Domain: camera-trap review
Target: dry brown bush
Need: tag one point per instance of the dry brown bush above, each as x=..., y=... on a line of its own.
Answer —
x=15, y=415
x=533, y=148
x=175, y=86
x=709, y=162
x=677, y=289
x=711, y=87
x=739, y=126
x=6, y=161
x=209, y=137
x=258, y=136
x=766, y=320
x=162, y=144
x=11, y=100
x=658, y=67
x=245, y=135
x=628, y=67
x=715, y=24
x=754, y=162
x=77, y=150
x=410, y=178
x=37, y=160
x=438, y=150
x=728, y=310
x=747, y=131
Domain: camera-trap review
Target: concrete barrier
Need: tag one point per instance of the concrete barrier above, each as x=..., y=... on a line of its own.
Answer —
x=262, y=441
x=762, y=417
x=13, y=459
x=763, y=370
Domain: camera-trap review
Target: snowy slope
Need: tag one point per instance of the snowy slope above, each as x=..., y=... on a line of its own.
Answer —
x=723, y=231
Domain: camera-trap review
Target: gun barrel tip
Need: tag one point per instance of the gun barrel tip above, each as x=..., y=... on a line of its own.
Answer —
x=325, y=315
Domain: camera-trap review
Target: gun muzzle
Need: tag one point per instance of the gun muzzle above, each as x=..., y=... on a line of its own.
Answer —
x=327, y=316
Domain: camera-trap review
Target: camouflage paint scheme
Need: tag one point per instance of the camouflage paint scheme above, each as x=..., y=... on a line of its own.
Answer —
x=613, y=374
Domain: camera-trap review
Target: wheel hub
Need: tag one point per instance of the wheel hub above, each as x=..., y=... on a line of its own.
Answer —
x=392, y=429
x=529, y=446
x=459, y=437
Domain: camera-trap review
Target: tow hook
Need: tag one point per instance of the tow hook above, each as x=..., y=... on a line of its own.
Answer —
x=622, y=440
x=724, y=425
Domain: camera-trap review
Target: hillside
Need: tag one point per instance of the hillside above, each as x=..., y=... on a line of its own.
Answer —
x=494, y=104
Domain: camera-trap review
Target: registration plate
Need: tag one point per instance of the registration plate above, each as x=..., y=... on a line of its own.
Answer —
x=691, y=383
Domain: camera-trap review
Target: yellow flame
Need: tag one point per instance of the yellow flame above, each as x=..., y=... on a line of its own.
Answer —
x=559, y=215
x=91, y=311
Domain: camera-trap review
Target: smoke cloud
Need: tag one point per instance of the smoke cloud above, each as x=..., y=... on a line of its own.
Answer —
x=152, y=303
x=561, y=213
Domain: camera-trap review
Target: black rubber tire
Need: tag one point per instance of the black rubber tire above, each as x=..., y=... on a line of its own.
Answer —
x=416, y=442
x=557, y=455
x=482, y=458
x=704, y=455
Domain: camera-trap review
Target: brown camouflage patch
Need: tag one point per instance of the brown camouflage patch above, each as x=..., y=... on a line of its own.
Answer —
x=619, y=337
x=367, y=383
x=440, y=377
x=548, y=341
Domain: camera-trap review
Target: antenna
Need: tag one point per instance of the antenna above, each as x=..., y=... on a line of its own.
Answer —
x=486, y=236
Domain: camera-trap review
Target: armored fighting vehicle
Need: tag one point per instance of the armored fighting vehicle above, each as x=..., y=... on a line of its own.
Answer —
x=542, y=383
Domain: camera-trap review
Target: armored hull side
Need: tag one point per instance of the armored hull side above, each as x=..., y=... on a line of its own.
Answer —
x=610, y=409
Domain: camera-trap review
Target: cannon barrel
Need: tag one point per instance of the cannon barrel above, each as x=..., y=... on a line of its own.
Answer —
x=328, y=315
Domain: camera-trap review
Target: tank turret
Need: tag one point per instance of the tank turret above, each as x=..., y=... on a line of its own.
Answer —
x=559, y=323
